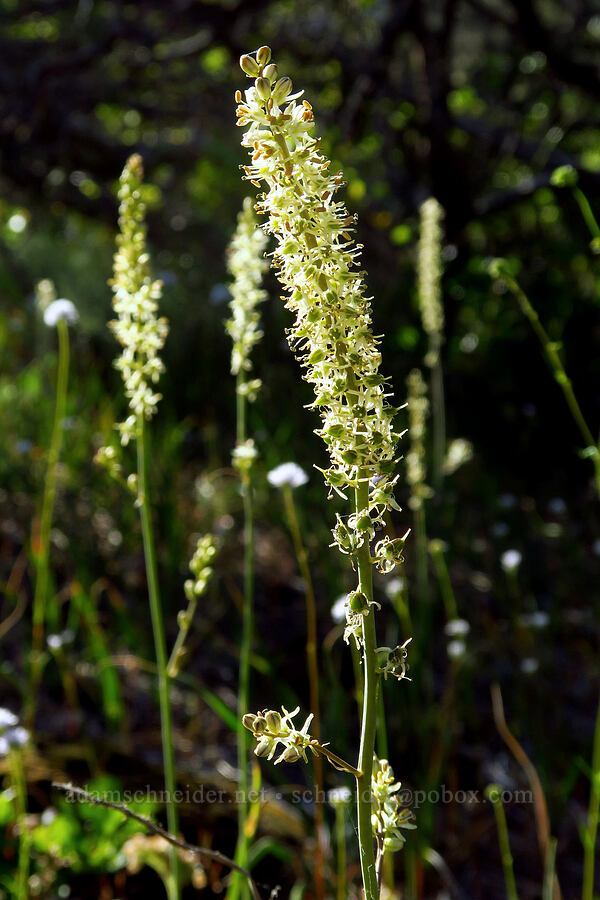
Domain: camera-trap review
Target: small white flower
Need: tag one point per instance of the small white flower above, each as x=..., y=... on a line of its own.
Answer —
x=529, y=666
x=511, y=560
x=394, y=587
x=456, y=649
x=287, y=475
x=7, y=718
x=457, y=628
x=339, y=796
x=338, y=610
x=537, y=619
x=60, y=309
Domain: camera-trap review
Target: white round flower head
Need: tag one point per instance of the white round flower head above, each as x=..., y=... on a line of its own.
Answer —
x=246, y=264
x=135, y=301
x=338, y=610
x=287, y=475
x=457, y=628
x=339, y=796
x=316, y=261
x=60, y=309
x=456, y=649
x=511, y=560
x=7, y=718
x=394, y=587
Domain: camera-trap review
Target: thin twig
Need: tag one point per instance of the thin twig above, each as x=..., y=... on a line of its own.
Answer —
x=86, y=797
x=539, y=799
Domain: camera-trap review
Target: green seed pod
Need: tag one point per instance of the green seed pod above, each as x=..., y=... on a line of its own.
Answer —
x=263, y=88
x=363, y=523
x=249, y=66
x=273, y=720
x=292, y=754
x=263, y=55
x=358, y=602
x=282, y=89
x=263, y=747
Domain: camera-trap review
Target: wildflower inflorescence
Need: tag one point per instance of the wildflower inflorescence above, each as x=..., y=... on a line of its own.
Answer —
x=271, y=729
x=429, y=271
x=388, y=816
x=418, y=407
x=246, y=264
x=316, y=259
x=138, y=329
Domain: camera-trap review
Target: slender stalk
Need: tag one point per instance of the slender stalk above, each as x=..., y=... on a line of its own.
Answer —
x=493, y=792
x=439, y=423
x=166, y=726
x=421, y=553
x=559, y=372
x=446, y=589
x=312, y=666
x=238, y=886
x=590, y=834
x=340, y=840
x=369, y=717
x=42, y=552
x=20, y=788
x=586, y=212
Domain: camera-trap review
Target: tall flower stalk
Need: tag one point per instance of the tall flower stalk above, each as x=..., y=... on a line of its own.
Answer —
x=429, y=272
x=418, y=408
x=246, y=265
x=59, y=314
x=142, y=335
x=316, y=261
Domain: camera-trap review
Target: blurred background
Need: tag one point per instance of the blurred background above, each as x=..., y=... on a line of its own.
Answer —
x=475, y=102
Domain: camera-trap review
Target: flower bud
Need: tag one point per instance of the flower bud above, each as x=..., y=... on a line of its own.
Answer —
x=263, y=88
x=358, y=602
x=263, y=55
x=281, y=90
x=271, y=72
x=260, y=724
x=248, y=721
x=249, y=66
x=273, y=721
x=291, y=755
x=263, y=747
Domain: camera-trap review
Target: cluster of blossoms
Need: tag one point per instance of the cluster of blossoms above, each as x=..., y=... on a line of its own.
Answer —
x=246, y=264
x=316, y=259
x=200, y=567
x=429, y=272
x=418, y=407
x=137, y=328
x=270, y=729
x=388, y=817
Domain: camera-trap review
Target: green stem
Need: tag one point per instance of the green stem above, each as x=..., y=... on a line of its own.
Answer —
x=20, y=788
x=369, y=717
x=591, y=831
x=439, y=420
x=493, y=792
x=312, y=665
x=43, y=550
x=166, y=725
x=443, y=575
x=559, y=372
x=421, y=553
x=340, y=835
x=586, y=212
x=238, y=885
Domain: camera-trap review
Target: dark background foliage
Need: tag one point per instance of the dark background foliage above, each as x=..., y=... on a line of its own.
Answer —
x=473, y=101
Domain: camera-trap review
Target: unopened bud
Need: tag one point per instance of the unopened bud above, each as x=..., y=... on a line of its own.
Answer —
x=281, y=90
x=260, y=724
x=263, y=747
x=248, y=721
x=273, y=721
x=271, y=72
x=291, y=755
x=263, y=88
x=263, y=55
x=249, y=66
